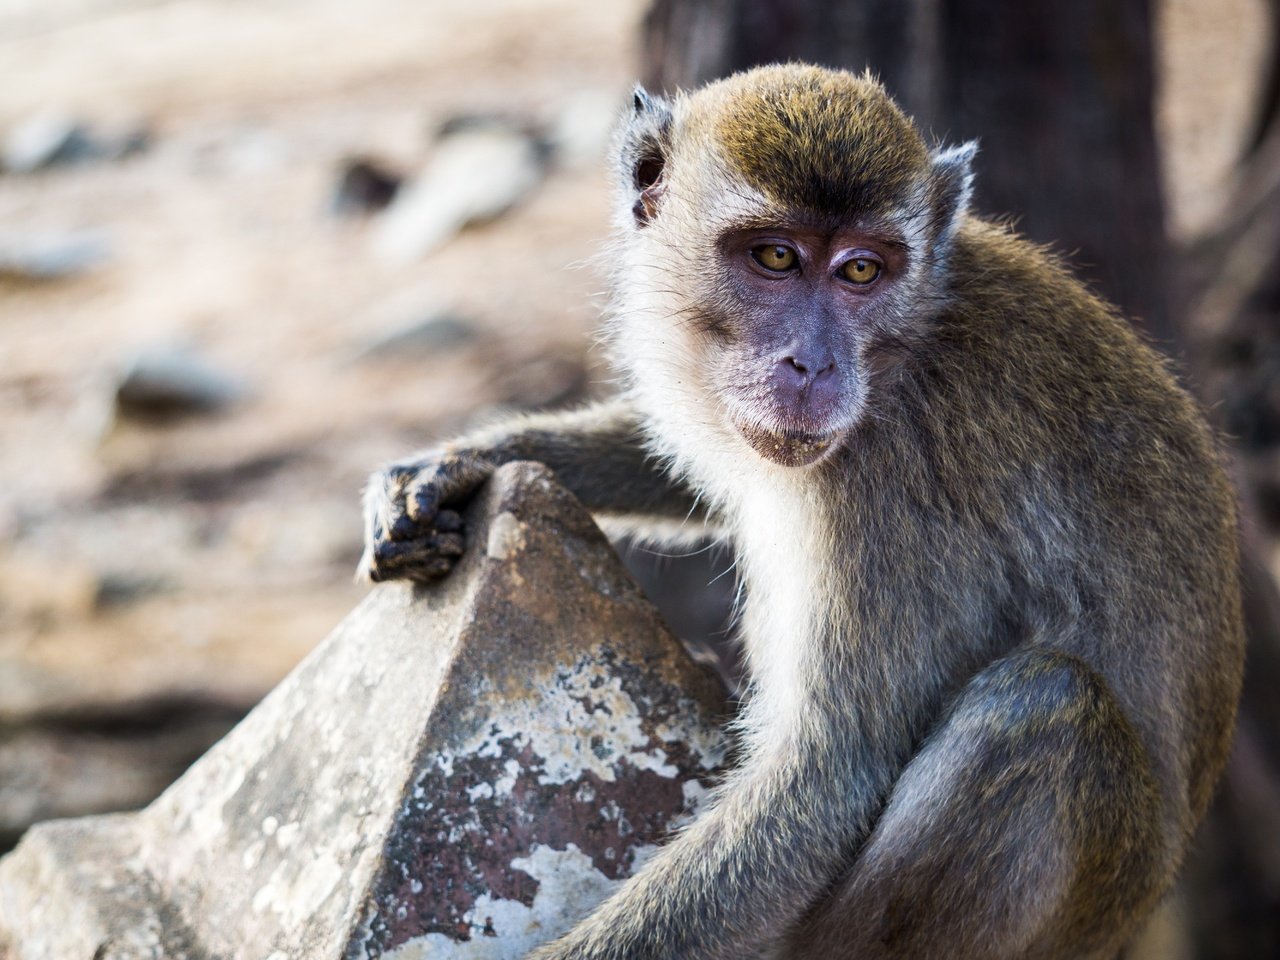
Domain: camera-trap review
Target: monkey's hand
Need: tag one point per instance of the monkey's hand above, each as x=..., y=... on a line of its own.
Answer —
x=412, y=527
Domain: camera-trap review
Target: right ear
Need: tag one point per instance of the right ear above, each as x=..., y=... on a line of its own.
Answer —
x=951, y=173
x=642, y=148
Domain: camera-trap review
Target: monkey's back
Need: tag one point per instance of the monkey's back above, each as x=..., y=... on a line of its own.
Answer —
x=1089, y=491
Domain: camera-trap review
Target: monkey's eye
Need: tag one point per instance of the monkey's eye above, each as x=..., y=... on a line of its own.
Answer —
x=860, y=270
x=775, y=257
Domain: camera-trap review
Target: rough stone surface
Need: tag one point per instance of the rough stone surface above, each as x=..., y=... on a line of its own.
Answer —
x=169, y=383
x=460, y=771
x=440, y=330
x=42, y=258
x=44, y=139
x=97, y=761
x=480, y=168
x=51, y=137
x=364, y=185
x=580, y=136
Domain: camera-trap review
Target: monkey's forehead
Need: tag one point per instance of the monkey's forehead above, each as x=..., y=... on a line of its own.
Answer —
x=822, y=140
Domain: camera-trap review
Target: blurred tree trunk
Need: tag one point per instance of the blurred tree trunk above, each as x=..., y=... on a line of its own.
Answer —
x=1060, y=97
x=1233, y=321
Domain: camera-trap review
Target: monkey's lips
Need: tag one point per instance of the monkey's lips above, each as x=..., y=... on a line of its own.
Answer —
x=789, y=448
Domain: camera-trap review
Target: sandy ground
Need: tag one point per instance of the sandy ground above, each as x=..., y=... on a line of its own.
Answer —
x=245, y=526
x=213, y=554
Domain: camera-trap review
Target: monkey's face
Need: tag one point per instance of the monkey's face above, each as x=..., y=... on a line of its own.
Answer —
x=783, y=235
x=790, y=328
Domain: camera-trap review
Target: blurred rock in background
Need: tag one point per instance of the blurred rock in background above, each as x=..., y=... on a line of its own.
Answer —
x=29, y=256
x=480, y=167
x=178, y=526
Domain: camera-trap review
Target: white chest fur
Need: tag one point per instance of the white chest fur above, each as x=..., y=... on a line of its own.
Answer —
x=778, y=547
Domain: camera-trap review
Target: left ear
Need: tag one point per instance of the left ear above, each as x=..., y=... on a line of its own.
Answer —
x=640, y=149
x=951, y=182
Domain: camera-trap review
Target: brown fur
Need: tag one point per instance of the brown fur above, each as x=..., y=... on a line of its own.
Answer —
x=993, y=630
x=800, y=138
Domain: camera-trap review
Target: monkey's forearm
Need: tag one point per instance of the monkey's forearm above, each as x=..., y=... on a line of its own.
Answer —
x=596, y=452
x=738, y=878
x=412, y=529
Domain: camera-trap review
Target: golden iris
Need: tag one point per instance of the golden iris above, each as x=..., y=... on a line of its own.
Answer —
x=775, y=257
x=860, y=270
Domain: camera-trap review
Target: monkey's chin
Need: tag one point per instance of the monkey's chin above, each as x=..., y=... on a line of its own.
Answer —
x=789, y=448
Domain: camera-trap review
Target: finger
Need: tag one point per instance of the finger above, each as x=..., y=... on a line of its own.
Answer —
x=429, y=572
x=452, y=482
x=383, y=502
x=395, y=554
x=420, y=570
x=403, y=528
x=450, y=544
x=449, y=521
x=422, y=501
x=418, y=567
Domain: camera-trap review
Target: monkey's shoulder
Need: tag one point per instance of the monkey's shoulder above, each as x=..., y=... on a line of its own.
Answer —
x=1014, y=283
x=1017, y=306
x=1025, y=348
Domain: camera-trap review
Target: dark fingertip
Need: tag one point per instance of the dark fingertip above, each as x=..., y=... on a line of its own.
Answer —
x=429, y=572
x=403, y=529
x=388, y=551
x=422, y=505
x=449, y=521
x=439, y=568
x=451, y=544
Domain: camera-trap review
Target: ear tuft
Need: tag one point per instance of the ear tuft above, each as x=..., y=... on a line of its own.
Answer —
x=641, y=154
x=951, y=171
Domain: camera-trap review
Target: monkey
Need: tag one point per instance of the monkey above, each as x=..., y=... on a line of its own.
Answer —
x=991, y=614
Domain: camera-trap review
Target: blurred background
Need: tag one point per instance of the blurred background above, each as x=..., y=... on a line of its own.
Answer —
x=251, y=250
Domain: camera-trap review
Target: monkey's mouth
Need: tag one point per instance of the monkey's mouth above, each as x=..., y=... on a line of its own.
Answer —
x=789, y=448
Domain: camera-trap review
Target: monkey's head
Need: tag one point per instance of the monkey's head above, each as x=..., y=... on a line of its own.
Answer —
x=784, y=233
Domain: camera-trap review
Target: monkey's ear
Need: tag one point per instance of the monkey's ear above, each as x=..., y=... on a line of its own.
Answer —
x=642, y=146
x=951, y=173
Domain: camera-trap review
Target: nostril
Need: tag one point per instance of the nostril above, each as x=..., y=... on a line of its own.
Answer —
x=811, y=368
x=803, y=371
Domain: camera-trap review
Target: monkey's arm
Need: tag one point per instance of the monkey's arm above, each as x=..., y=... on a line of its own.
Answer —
x=732, y=883
x=1029, y=824
x=412, y=533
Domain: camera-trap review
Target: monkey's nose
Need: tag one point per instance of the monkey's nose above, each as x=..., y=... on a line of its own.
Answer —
x=804, y=370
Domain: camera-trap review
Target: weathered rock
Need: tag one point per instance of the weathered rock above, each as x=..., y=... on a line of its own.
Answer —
x=580, y=136
x=48, y=257
x=694, y=591
x=96, y=762
x=53, y=137
x=168, y=384
x=437, y=331
x=44, y=139
x=247, y=151
x=480, y=168
x=460, y=771
x=363, y=186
